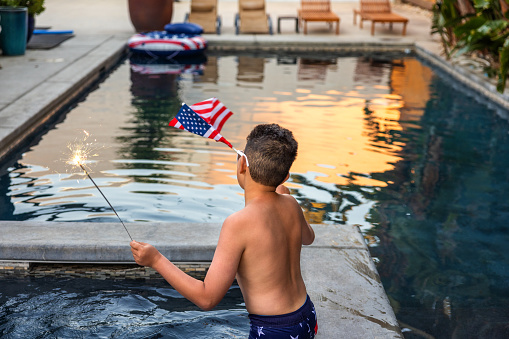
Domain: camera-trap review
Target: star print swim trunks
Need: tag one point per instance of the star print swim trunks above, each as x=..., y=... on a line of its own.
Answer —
x=300, y=324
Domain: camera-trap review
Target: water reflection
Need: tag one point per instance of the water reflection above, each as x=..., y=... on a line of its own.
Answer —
x=209, y=73
x=155, y=100
x=250, y=70
x=373, y=70
x=453, y=243
x=439, y=223
x=142, y=64
x=314, y=69
x=153, y=154
x=6, y=206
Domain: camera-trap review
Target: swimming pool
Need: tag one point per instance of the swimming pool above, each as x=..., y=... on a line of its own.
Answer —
x=384, y=143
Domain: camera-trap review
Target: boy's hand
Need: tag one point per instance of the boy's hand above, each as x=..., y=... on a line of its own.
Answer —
x=144, y=254
x=281, y=189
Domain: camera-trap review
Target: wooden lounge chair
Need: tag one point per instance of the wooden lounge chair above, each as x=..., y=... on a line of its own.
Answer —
x=316, y=10
x=204, y=13
x=378, y=11
x=252, y=17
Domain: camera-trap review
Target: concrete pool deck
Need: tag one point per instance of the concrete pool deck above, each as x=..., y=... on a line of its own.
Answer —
x=340, y=275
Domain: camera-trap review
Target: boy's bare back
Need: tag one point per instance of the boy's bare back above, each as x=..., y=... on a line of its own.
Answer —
x=272, y=229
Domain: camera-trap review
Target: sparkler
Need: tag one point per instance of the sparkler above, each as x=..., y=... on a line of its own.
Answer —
x=80, y=152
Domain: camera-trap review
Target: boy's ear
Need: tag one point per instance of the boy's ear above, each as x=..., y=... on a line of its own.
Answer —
x=243, y=165
x=287, y=176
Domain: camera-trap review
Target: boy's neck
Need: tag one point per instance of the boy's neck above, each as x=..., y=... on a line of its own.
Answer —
x=254, y=190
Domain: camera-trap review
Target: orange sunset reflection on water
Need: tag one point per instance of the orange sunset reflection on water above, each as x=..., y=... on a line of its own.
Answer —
x=343, y=128
x=332, y=137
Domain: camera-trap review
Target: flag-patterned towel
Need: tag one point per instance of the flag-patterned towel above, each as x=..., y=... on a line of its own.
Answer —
x=190, y=121
x=213, y=111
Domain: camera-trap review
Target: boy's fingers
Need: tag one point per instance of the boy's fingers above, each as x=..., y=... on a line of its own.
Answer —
x=137, y=244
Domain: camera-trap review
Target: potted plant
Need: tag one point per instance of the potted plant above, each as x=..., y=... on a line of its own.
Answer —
x=34, y=7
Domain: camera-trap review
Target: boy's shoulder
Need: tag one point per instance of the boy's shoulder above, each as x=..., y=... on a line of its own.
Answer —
x=241, y=216
x=263, y=208
x=237, y=226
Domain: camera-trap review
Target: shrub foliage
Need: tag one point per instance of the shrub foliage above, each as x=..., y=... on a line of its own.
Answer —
x=476, y=26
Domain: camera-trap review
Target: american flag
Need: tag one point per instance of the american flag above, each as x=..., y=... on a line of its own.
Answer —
x=188, y=120
x=213, y=111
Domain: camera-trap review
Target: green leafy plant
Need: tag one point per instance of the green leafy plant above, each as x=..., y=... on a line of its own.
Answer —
x=478, y=26
x=445, y=17
x=34, y=7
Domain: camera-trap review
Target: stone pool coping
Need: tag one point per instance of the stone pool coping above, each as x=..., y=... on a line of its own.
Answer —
x=338, y=270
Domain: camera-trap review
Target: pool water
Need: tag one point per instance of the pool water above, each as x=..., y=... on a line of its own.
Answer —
x=385, y=143
x=85, y=308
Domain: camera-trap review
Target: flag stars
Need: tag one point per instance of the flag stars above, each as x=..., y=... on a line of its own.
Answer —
x=188, y=119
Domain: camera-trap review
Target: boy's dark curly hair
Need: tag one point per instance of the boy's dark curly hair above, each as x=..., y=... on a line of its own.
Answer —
x=271, y=150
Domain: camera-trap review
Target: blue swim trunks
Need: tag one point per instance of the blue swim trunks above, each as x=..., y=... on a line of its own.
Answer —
x=300, y=324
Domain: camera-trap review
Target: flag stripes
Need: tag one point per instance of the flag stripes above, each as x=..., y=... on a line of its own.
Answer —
x=189, y=120
x=213, y=111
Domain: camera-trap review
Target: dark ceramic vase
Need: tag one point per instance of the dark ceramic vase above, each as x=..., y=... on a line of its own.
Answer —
x=150, y=15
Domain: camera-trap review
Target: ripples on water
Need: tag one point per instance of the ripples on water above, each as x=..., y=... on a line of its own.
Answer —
x=384, y=143
x=83, y=308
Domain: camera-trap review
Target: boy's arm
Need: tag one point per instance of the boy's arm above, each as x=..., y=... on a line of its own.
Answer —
x=205, y=294
x=308, y=235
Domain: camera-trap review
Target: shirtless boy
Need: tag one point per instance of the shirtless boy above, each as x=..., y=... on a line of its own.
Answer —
x=260, y=245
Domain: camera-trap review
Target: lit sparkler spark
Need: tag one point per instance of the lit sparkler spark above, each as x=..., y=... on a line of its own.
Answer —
x=80, y=151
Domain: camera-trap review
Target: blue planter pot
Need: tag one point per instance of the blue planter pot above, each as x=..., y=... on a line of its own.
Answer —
x=13, y=37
